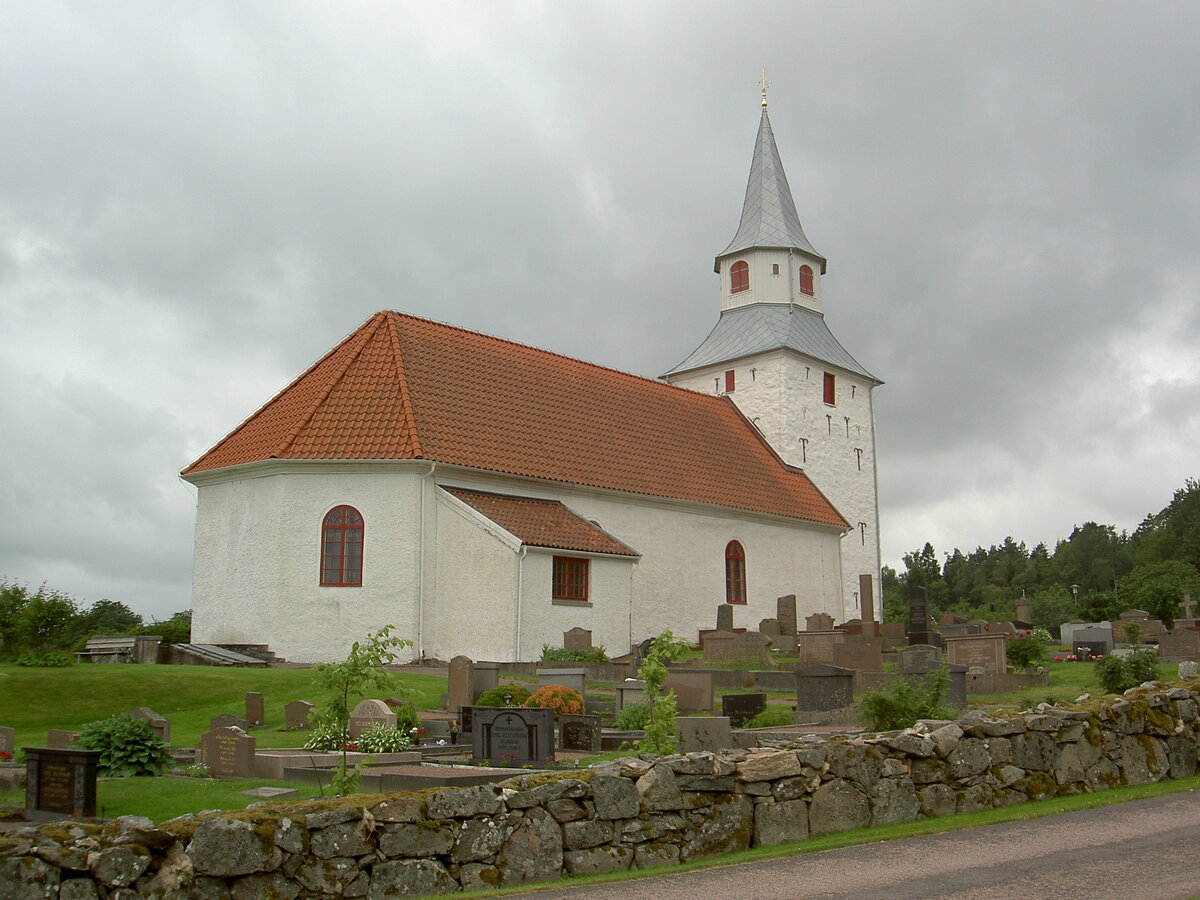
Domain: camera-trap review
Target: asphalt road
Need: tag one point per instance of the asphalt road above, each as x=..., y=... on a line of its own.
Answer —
x=1142, y=849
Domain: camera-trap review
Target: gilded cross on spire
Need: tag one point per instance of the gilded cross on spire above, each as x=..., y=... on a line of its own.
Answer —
x=764, y=84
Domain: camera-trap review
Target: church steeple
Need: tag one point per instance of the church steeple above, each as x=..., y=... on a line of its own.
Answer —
x=769, y=217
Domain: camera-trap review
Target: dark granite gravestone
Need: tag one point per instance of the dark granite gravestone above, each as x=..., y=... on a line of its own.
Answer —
x=160, y=724
x=228, y=752
x=724, y=617
x=60, y=783
x=466, y=719
x=785, y=612
x=741, y=708
x=918, y=616
x=295, y=714
x=1083, y=651
x=484, y=677
x=1099, y=638
x=700, y=733
x=577, y=639
x=256, y=713
x=460, y=681
x=229, y=720
x=820, y=687
x=579, y=733
x=513, y=736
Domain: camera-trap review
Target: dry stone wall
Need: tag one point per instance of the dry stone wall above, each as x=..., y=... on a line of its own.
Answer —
x=626, y=813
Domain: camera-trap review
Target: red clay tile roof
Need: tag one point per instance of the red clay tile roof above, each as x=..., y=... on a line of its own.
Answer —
x=542, y=523
x=401, y=387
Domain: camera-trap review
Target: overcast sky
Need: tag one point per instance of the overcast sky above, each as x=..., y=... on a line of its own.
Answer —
x=197, y=200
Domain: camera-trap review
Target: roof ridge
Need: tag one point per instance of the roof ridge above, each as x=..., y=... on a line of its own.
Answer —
x=406, y=406
x=363, y=335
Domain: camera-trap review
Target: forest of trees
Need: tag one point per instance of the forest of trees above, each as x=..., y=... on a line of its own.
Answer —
x=1152, y=569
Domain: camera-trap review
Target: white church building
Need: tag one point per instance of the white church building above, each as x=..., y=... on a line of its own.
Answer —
x=483, y=496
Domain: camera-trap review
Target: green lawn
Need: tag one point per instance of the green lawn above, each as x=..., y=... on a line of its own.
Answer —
x=34, y=700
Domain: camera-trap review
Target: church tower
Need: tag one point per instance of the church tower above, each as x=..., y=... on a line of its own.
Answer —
x=772, y=353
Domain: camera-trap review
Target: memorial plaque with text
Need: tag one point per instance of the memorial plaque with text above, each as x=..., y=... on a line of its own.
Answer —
x=60, y=783
x=579, y=733
x=513, y=736
x=741, y=708
x=228, y=752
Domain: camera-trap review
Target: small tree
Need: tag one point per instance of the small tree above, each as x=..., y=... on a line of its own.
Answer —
x=659, y=737
x=1025, y=652
x=360, y=672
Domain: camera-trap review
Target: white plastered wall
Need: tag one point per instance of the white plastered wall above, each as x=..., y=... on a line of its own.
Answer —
x=765, y=285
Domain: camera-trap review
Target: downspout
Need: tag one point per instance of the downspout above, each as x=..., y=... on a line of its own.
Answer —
x=520, y=589
x=427, y=486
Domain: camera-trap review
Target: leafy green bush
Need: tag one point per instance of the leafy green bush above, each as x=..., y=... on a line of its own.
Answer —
x=48, y=659
x=127, y=746
x=771, y=717
x=659, y=734
x=558, y=697
x=633, y=716
x=495, y=696
x=1025, y=652
x=907, y=700
x=1118, y=674
x=380, y=738
x=327, y=735
x=407, y=718
x=561, y=654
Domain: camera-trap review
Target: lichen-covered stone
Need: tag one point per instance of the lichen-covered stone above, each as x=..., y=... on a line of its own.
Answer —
x=856, y=763
x=838, y=806
x=725, y=827
x=937, y=800
x=229, y=848
x=581, y=835
x=782, y=822
x=408, y=840
x=347, y=839
x=1005, y=776
x=615, y=797
x=477, y=840
x=409, y=878
x=973, y=798
x=1181, y=755
x=289, y=836
x=659, y=790
x=946, y=738
x=931, y=771
x=534, y=851
x=328, y=876
x=263, y=885
x=119, y=866
x=75, y=889
x=398, y=809
x=768, y=765
x=328, y=817
x=1034, y=750
x=655, y=854
x=597, y=860
x=910, y=744
x=714, y=783
x=462, y=803
x=651, y=827
x=970, y=757
x=1144, y=759
x=566, y=810
x=894, y=800
x=794, y=788
x=478, y=877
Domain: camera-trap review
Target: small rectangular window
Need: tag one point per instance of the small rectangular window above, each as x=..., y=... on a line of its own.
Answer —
x=729, y=382
x=830, y=392
x=775, y=268
x=570, y=578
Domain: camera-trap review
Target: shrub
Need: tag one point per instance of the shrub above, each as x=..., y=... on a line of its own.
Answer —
x=907, y=700
x=127, y=746
x=495, y=696
x=558, y=697
x=659, y=736
x=48, y=659
x=633, y=717
x=380, y=738
x=1042, y=634
x=771, y=717
x=1025, y=652
x=407, y=718
x=327, y=735
x=1118, y=674
x=561, y=654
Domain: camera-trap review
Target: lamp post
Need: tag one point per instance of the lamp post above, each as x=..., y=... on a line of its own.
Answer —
x=1075, y=592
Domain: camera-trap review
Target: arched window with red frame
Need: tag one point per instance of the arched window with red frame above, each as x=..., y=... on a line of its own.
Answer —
x=735, y=573
x=806, y=280
x=739, y=276
x=342, y=548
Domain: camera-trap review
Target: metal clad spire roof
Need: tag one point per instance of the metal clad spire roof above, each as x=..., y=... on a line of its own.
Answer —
x=769, y=217
x=760, y=328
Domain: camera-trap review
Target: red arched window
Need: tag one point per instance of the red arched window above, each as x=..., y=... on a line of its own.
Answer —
x=806, y=280
x=735, y=573
x=739, y=276
x=342, y=547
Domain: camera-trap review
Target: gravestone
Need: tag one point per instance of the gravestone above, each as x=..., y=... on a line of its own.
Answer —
x=579, y=733
x=1187, y=669
x=577, y=639
x=753, y=646
x=918, y=616
x=785, y=612
x=1182, y=643
x=256, y=713
x=228, y=752
x=8, y=738
x=818, y=646
x=700, y=733
x=859, y=654
x=295, y=714
x=1068, y=629
x=160, y=724
x=982, y=651
x=466, y=719
x=1097, y=641
x=693, y=690
x=956, y=682
x=459, y=683
x=60, y=739
x=724, y=617
x=1024, y=609
x=819, y=622
x=719, y=645
x=513, y=736
x=770, y=628
x=892, y=632
x=866, y=598
x=917, y=658
x=741, y=708
x=1187, y=609
x=821, y=687
x=368, y=713
x=484, y=677
x=60, y=783
x=630, y=691
x=952, y=618
x=229, y=720
x=570, y=678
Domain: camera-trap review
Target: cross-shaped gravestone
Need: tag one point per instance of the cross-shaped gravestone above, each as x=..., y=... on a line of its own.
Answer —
x=1188, y=606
